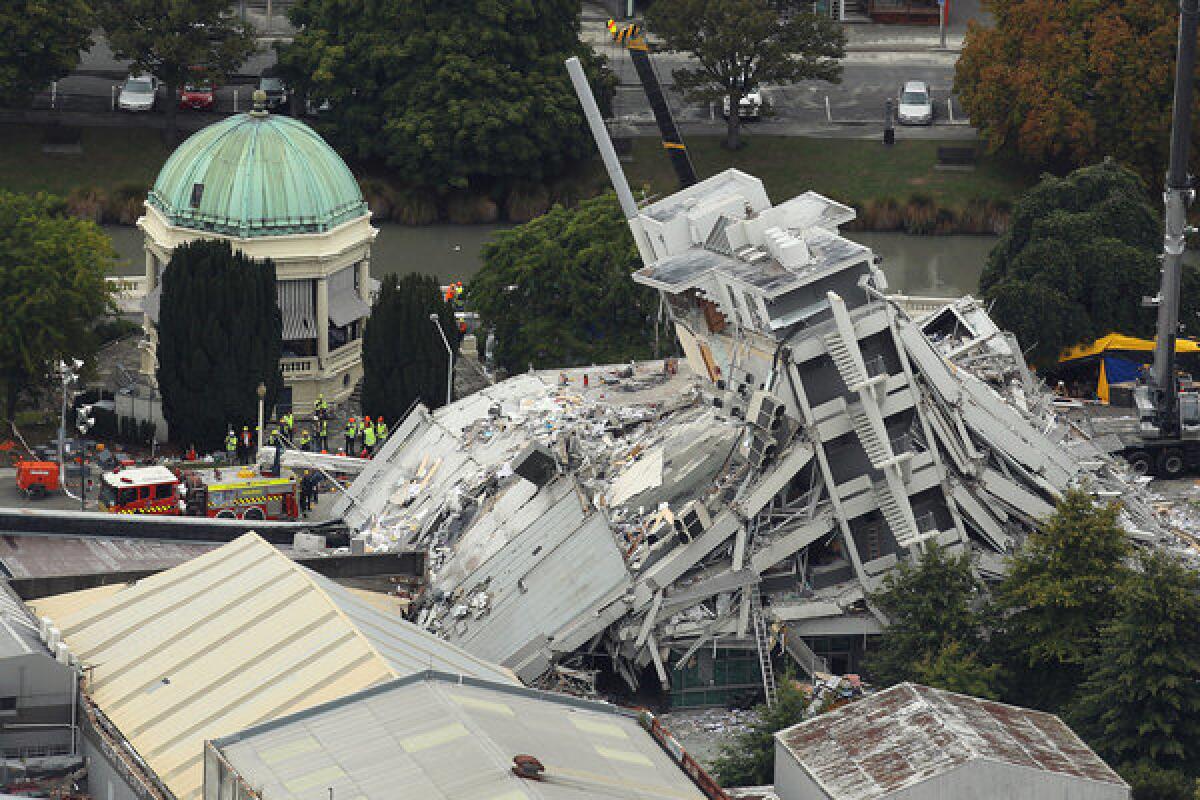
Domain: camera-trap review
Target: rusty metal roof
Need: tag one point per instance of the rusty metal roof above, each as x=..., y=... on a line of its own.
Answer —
x=909, y=733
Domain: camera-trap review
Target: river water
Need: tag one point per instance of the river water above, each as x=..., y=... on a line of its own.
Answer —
x=939, y=266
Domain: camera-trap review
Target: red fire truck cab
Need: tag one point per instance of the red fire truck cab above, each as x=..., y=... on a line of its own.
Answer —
x=225, y=494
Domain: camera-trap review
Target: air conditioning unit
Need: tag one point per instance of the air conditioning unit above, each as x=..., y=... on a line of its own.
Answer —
x=691, y=522
x=761, y=451
x=765, y=411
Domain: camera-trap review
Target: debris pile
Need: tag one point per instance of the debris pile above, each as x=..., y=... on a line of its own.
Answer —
x=813, y=438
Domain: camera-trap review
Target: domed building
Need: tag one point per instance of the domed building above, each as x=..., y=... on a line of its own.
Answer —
x=271, y=186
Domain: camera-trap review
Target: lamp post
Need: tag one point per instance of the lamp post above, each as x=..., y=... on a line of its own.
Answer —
x=942, y=22
x=69, y=374
x=437, y=323
x=262, y=393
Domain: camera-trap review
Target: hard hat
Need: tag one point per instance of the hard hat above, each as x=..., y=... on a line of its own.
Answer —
x=352, y=419
x=245, y=427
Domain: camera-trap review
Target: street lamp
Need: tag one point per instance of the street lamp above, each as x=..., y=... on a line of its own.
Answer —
x=437, y=323
x=69, y=374
x=262, y=393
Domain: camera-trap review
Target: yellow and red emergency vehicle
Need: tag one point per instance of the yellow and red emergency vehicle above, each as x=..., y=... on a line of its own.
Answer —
x=224, y=494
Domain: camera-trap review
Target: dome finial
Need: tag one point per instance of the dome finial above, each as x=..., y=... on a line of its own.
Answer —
x=260, y=103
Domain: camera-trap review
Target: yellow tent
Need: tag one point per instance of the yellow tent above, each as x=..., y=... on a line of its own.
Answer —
x=1113, y=366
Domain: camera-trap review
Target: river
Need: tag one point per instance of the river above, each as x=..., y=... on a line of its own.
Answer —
x=939, y=266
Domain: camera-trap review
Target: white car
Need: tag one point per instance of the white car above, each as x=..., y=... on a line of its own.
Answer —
x=138, y=93
x=916, y=104
x=749, y=107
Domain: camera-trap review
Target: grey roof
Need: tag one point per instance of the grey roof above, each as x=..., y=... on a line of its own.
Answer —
x=18, y=628
x=437, y=736
x=46, y=556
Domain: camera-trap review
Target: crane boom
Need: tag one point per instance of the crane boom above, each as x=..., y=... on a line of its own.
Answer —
x=1160, y=416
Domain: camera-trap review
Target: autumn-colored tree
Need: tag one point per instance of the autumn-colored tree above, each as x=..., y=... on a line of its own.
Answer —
x=1065, y=83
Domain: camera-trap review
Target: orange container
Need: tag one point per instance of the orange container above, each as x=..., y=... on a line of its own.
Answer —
x=37, y=478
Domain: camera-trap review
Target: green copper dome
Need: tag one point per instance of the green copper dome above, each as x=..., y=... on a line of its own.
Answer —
x=257, y=174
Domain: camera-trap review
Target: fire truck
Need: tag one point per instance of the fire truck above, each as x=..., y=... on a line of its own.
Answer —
x=224, y=494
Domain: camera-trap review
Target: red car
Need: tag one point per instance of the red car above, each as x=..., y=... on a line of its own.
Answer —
x=198, y=95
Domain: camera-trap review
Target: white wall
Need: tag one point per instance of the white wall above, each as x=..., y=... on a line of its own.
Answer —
x=792, y=781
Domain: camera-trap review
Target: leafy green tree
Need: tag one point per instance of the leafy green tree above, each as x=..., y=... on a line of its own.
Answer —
x=558, y=290
x=1060, y=592
x=220, y=334
x=933, y=635
x=1141, y=701
x=404, y=357
x=455, y=94
x=1079, y=255
x=1149, y=782
x=52, y=290
x=1063, y=84
x=167, y=38
x=741, y=45
x=40, y=42
x=748, y=759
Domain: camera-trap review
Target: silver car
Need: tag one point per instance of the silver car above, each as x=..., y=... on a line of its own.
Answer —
x=916, y=104
x=138, y=93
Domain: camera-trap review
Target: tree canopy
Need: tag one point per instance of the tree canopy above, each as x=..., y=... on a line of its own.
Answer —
x=1141, y=701
x=404, y=357
x=168, y=38
x=1060, y=591
x=1079, y=255
x=748, y=759
x=458, y=93
x=40, y=42
x=52, y=289
x=219, y=335
x=741, y=45
x=933, y=636
x=558, y=292
x=1066, y=83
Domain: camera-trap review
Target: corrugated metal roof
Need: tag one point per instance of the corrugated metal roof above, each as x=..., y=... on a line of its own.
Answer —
x=18, y=629
x=45, y=556
x=909, y=733
x=233, y=638
x=435, y=737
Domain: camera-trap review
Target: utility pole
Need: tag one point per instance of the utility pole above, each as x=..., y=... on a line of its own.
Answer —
x=942, y=22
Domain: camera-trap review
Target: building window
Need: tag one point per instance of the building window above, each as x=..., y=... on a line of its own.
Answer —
x=8, y=705
x=197, y=193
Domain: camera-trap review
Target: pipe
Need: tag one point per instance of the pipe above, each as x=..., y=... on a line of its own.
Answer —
x=600, y=133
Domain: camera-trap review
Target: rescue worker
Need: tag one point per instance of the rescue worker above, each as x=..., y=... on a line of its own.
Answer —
x=305, y=440
x=275, y=439
x=381, y=431
x=247, y=445
x=323, y=434
x=351, y=435
x=289, y=425
x=308, y=493
x=321, y=407
x=231, y=446
x=368, y=437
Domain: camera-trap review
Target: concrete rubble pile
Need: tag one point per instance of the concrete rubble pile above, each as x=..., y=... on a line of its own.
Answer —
x=814, y=437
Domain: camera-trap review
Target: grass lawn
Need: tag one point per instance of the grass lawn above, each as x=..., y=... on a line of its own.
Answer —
x=847, y=170
x=111, y=157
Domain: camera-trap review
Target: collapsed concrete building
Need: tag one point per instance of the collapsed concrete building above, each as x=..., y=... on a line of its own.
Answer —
x=814, y=438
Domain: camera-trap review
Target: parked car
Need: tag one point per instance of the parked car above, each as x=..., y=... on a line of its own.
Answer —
x=916, y=104
x=749, y=107
x=138, y=93
x=197, y=94
x=277, y=92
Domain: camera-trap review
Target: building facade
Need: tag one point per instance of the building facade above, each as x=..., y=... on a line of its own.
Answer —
x=272, y=187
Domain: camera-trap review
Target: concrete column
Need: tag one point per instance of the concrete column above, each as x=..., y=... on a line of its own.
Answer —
x=322, y=321
x=151, y=270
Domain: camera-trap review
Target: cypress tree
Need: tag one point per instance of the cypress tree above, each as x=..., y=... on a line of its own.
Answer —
x=404, y=357
x=219, y=335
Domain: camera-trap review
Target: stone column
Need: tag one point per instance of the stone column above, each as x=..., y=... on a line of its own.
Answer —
x=364, y=279
x=322, y=322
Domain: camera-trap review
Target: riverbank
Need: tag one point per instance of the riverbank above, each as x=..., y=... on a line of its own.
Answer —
x=894, y=188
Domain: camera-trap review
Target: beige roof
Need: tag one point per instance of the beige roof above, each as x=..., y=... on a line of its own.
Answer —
x=234, y=638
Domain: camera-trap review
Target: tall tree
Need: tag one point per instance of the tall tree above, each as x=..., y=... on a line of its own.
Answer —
x=1080, y=253
x=52, y=290
x=40, y=42
x=168, y=38
x=1141, y=701
x=741, y=45
x=1063, y=84
x=220, y=334
x=748, y=759
x=456, y=94
x=404, y=356
x=933, y=636
x=1060, y=592
x=558, y=292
